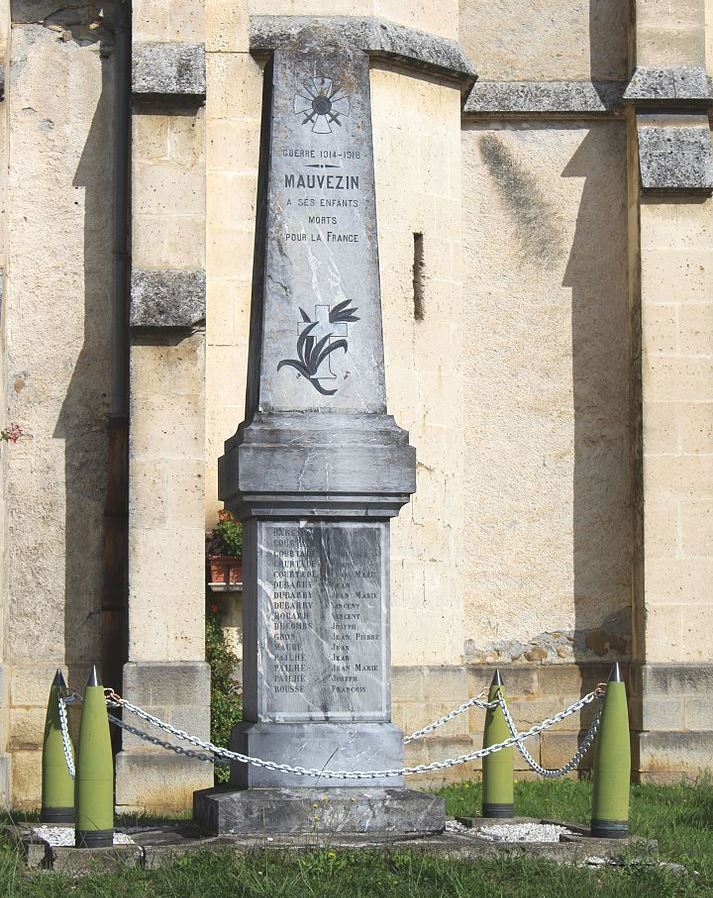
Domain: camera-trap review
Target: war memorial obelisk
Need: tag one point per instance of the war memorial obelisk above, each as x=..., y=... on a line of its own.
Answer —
x=316, y=471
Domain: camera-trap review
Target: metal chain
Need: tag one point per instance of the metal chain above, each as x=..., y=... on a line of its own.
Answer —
x=64, y=727
x=154, y=740
x=476, y=702
x=573, y=763
x=115, y=700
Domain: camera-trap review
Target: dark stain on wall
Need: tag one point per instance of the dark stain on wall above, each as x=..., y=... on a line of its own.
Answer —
x=537, y=227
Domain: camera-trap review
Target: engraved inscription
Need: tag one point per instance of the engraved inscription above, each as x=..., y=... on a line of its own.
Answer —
x=326, y=627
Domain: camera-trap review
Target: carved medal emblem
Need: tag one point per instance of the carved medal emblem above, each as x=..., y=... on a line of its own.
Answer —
x=322, y=103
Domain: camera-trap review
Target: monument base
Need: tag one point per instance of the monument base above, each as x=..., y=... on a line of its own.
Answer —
x=318, y=745
x=308, y=811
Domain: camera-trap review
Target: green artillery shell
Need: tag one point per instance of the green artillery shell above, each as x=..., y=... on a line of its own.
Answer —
x=612, y=764
x=57, y=784
x=94, y=779
x=498, y=795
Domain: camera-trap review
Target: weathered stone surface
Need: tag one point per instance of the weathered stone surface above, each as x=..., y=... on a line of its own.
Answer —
x=380, y=38
x=319, y=745
x=167, y=298
x=168, y=68
x=306, y=811
x=558, y=97
x=675, y=155
x=684, y=85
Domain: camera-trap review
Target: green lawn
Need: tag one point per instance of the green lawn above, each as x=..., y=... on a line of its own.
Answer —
x=680, y=817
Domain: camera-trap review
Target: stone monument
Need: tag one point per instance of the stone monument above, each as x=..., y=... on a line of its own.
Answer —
x=316, y=471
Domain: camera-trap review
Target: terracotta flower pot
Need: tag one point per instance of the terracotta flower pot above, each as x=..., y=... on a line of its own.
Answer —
x=226, y=569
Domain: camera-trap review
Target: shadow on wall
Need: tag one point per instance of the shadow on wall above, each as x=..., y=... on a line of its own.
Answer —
x=601, y=384
x=83, y=420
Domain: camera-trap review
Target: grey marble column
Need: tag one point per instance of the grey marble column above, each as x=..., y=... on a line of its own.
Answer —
x=318, y=467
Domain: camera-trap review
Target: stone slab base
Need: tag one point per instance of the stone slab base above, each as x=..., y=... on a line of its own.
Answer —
x=167, y=844
x=328, y=746
x=306, y=811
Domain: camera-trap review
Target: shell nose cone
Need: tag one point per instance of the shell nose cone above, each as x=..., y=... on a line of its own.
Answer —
x=59, y=680
x=616, y=675
x=497, y=678
x=94, y=679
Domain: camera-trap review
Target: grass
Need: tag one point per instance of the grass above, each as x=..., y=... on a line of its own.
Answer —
x=680, y=817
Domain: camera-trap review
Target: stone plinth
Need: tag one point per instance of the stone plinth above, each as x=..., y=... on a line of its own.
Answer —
x=319, y=810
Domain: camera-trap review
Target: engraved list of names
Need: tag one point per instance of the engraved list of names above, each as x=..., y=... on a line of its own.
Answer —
x=327, y=652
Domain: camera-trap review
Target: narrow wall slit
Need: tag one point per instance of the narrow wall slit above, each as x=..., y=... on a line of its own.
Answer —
x=418, y=277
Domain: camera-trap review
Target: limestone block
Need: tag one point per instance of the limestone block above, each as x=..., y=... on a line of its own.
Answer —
x=233, y=146
x=696, y=328
x=30, y=685
x=157, y=433
x=523, y=97
x=660, y=329
x=511, y=41
x=227, y=26
x=407, y=685
x=236, y=86
x=697, y=526
x=26, y=728
x=664, y=637
x=162, y=299
x=670, y=276
x=675, y=156
x=26, y=779
x=697, y=621
x=684, y=476
x=668, y=756
x=680, y=85
x=670, y=35
x=696, y=427
x=678, y=580
x=168, y=69
x=171, y=368
x=169, y=242
x=556, y=749
x=141, y=782
x=661, y=428
x=661, y=525
x=698, y=713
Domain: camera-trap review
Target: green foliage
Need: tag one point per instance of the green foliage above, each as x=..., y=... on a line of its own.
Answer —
x=226, y=705
x=226, y=538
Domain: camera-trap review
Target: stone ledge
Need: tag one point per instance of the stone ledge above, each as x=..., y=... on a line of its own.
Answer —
x=379, y=38
x=675, y=154
x=554, y=97
x=677, y=86
x=167, y=298
x=170, y=69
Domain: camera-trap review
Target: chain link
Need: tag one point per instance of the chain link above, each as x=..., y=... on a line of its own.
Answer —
x=476, y=702
x=64, y=727
x=573, y=763
x=217, y=754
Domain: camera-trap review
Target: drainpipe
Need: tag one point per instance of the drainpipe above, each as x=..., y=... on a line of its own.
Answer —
x=114, y=628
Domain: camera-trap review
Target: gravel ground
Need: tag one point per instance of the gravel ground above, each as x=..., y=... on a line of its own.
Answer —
x=63, y=836
x=512, y=832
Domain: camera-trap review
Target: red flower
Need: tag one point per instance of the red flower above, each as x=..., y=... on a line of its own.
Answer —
x=214, y=608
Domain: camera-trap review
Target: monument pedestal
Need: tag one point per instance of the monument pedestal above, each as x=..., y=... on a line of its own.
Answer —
x=322, y=746
x=309, y=811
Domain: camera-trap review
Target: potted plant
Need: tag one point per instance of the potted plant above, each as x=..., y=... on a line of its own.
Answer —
x=224, y=551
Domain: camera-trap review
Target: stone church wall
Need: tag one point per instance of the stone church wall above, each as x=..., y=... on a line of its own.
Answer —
x=552, y=531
